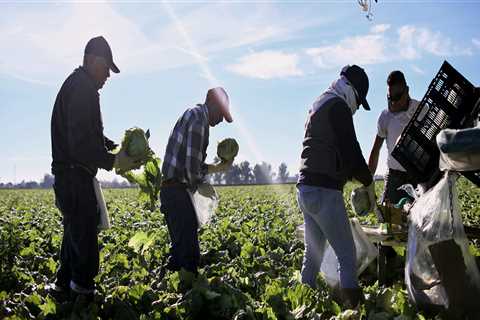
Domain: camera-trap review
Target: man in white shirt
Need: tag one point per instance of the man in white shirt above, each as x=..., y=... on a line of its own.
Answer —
x=391, y=123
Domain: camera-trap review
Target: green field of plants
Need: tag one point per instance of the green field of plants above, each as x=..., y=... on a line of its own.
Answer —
x=249, y=265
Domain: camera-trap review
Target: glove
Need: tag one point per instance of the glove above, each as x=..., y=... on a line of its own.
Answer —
x=109, y=144
x=207, y=190
x=220, y=167
x=371, y=196
x=125, y=163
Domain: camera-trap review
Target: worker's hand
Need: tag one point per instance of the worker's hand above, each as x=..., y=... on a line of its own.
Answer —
x=220, y=167
x=207, y=190
x=224, y=165
x=371, y=196
x=125, y=163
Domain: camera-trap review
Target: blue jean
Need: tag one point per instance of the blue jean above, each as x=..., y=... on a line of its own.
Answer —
x=326, y=220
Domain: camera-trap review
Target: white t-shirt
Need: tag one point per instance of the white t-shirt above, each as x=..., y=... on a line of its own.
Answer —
x=390, y=126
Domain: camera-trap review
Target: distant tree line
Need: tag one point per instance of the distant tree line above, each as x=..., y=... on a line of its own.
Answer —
x=241, y=173
x=48, y=181
x=260, y=173
x=45, y=183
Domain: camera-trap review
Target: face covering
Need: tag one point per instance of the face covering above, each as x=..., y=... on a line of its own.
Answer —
x=393, y=103
x=396, y=95
x=339, y=88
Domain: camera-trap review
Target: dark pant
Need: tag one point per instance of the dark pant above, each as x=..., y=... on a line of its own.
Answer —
x=393, y=180
x=79, y=256
x=182, y=224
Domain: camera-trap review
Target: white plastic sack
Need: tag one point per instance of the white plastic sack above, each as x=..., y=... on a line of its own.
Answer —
x=104, y=222
x=205, y=201
x=365, y=250
x=459, y=149
x=459, y=141
x=435, y=217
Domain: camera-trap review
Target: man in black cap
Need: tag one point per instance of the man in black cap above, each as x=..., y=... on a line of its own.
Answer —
x=330, y=157
x=79, y=149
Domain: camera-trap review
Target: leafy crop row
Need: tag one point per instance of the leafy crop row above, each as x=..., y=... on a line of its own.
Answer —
x=250, y=262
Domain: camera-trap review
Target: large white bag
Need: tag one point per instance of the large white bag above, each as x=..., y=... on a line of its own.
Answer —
x=436, y=224
x=205, y=202
x=365, y=250
x=459, y=149
x=104, y=222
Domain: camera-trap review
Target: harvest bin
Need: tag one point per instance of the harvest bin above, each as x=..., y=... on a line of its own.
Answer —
x=450, y=102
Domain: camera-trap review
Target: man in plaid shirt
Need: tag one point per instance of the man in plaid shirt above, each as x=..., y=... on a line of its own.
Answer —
x=183, y=170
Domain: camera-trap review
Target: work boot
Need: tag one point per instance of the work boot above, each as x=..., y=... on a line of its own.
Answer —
x=79, y=293
x=352, y=297
x=82, y=298
x=336, y=294
x=60, y=293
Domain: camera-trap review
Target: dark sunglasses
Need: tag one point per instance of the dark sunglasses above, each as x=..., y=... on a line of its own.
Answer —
x=396, y=97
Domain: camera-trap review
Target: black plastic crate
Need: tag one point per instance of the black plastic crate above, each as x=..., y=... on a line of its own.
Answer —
x=448, y=103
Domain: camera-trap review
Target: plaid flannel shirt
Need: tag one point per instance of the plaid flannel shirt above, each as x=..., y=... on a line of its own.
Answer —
x=187, y=148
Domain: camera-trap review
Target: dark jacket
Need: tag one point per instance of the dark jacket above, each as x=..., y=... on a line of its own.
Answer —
x=331, y=154
x=76, y=127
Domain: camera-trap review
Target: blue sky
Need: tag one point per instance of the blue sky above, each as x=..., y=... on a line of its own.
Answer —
x=274, y=59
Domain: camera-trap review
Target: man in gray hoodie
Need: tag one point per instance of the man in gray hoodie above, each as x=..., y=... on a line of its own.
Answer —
x=330, y=157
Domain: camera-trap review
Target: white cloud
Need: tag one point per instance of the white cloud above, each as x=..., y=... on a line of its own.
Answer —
x=406, y=39
x=476, y=42
x=267, y=65
x=413, y=41
x=368, y=49
x=418, y=70
x=380, y=28
x=215, y=27
x=48, y=51
x=379, y=46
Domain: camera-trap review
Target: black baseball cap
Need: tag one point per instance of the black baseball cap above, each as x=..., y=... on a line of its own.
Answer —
x=359, y=80
x=99, y=47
